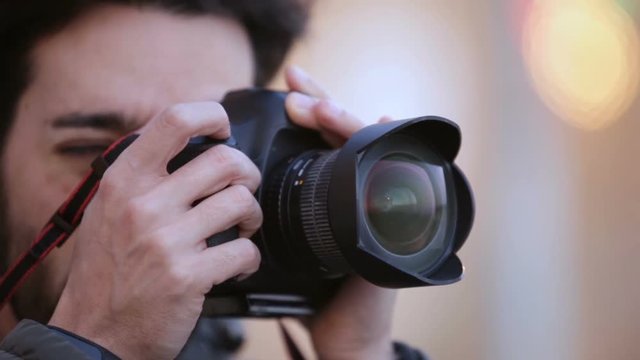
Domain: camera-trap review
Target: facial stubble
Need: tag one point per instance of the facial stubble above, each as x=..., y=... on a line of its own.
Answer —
x=31, y=300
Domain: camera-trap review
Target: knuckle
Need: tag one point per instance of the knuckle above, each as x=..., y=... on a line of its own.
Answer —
x=223, y=155
x=251, y=222
x=217, y=108
x=157, y=247
x=175, y=118
x=182, y=280
x=331, y=121
x=257, y=209
x=179, y=274
x=239, y=167
x=236, y=165
x=242, y=198
x=255, y=177
x=248, y=173
x=254, y=215
x=249, y=253
x=139, y=210
x=158, y=239
x=220, y=117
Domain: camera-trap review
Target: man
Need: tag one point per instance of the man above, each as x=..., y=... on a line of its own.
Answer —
x=131, y=280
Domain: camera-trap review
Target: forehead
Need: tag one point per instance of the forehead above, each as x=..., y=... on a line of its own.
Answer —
x=137, y=61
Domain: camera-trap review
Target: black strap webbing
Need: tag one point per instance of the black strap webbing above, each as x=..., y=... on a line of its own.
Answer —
x=62, y=223
x=292, y=347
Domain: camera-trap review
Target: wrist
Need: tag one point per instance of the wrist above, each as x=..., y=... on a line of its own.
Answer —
x=102, y=340
x=86, y=346
x=106, y=338
x=83, y=325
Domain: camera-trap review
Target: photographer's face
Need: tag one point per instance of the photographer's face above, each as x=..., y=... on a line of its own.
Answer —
x=101, y=77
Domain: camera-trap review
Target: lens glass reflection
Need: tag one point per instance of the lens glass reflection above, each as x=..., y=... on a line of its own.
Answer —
x=402, y=206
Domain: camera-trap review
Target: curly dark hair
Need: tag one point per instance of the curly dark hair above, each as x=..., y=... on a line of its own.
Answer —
x=272, y=26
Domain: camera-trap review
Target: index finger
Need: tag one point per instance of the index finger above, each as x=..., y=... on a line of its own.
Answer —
x=169, y=132
x=298, y=80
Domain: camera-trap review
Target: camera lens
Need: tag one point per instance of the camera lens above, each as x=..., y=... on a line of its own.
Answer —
x=384, y=206
x=401, y=206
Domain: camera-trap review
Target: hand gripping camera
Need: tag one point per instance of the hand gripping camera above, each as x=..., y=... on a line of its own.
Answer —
x=390, y=206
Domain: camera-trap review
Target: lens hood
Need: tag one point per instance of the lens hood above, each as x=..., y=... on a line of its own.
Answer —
x=358, y=244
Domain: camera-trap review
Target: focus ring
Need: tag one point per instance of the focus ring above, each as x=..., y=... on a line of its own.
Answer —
x=314, y=214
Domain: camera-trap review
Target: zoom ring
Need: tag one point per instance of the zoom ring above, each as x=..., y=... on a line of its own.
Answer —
x=314, y=213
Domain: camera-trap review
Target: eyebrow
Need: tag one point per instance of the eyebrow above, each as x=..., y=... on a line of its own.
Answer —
x=99, y=121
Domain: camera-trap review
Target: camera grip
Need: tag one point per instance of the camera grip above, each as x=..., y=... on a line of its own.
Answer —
x=223, y=237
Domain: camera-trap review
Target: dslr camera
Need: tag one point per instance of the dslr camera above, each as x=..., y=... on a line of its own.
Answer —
x=390, y=206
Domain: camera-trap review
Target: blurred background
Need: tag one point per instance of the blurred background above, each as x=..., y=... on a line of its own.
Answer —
x=546, y=93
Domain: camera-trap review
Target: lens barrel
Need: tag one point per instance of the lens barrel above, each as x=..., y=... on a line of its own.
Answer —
x=402, y=203
x=299, y=197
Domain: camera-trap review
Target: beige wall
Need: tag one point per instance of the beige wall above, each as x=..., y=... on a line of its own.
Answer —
x=552, y=261
x=608, y=242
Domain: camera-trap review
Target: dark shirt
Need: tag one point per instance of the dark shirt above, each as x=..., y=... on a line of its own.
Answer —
x=211, y=339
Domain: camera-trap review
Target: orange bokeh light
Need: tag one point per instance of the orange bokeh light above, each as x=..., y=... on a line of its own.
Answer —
x=583, y=59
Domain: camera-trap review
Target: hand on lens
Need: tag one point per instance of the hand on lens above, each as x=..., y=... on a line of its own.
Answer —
x=141, y=266
x=310, y=106
x=356, y=324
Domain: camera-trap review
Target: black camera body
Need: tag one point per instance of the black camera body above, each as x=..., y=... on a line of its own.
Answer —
x=330, y=213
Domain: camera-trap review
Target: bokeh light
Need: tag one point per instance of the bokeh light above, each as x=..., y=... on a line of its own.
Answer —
x=583, y=58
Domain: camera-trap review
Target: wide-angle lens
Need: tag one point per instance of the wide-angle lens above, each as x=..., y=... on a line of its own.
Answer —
x=401, y=204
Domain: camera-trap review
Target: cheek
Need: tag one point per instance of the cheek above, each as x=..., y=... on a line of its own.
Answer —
x=35, y=188
x=35, y=185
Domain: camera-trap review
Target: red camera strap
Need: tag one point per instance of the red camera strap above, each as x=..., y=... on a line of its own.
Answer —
x=62, y=223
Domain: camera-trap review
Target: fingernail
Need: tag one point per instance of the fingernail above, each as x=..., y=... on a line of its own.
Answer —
x=302, y=102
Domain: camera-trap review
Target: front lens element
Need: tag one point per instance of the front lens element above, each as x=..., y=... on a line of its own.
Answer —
x=401, y=204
